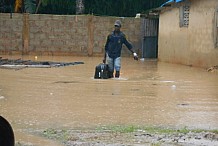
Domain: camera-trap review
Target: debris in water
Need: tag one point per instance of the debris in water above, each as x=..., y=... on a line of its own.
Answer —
x=173, y=87
x=213, y=69
x=20, y=64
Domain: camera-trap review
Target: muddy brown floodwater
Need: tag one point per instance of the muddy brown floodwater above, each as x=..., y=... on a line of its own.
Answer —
x=147, y=93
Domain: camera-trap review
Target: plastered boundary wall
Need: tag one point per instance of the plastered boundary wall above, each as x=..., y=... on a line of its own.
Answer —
x=195, y=45
x=84, y=35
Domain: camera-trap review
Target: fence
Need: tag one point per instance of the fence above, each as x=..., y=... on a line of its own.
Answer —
x=40, y=34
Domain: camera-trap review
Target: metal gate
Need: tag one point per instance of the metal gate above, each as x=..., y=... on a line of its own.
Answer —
x=150, y=38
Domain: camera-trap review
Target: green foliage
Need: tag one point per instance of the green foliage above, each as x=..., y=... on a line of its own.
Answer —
x=65, y=7
x=121, y=8
x=30, y=6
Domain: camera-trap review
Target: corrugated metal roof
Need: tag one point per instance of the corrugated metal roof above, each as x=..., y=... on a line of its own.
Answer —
x=179, y=0
x=168, y=3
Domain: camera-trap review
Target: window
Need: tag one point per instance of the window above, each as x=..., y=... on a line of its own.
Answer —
x=184, y=15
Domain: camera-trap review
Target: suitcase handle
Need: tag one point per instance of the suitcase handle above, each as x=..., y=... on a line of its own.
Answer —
x=104, y=59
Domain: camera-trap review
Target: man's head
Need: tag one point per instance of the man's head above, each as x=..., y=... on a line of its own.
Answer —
x=117, y=25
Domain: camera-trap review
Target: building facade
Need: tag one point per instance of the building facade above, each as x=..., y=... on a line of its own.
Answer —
x=188, y=32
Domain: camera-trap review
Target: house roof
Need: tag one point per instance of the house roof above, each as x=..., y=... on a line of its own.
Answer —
x=170, y=2
x=165, y=5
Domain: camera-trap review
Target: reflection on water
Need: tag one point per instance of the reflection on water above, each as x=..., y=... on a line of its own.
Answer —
x=148, y=93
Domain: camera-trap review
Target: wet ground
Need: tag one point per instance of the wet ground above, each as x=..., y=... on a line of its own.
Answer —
x=148, y=93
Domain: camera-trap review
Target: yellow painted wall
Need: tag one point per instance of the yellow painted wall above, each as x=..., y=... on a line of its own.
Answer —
x=192, y=45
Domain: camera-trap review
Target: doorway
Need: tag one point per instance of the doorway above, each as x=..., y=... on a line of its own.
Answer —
x=150, y=37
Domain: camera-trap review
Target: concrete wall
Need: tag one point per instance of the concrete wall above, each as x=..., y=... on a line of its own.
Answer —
x=194, y=45
x=86, y=35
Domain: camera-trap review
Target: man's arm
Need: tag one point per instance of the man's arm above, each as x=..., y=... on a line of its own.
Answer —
x=129, y=46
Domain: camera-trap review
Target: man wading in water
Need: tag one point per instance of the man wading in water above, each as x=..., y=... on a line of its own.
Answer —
x=113, y=48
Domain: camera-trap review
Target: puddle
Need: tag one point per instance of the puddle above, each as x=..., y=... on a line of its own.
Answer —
x=148, y=93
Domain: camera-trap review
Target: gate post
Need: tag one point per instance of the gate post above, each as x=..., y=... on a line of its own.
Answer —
x=90, y=35
x=25, y=38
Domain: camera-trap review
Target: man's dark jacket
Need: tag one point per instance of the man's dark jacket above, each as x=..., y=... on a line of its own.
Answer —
x=114, y=44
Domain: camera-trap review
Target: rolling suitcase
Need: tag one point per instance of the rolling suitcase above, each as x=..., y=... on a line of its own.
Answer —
x=101, y=71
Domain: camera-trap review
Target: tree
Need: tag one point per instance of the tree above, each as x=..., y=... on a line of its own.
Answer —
x=61, y=7
x=18, y=6
x=80, y=7
x=122, y=8
x=30, y=6
x=27, y=6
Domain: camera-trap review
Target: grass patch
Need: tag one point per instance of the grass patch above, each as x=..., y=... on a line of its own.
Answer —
x=118, y=128
x=150, y=129
x=65, y=135
x=111, y=131
x=56, y=134
x=132, y=128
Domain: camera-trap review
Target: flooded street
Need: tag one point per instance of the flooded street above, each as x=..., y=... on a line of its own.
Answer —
x=147, y=93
